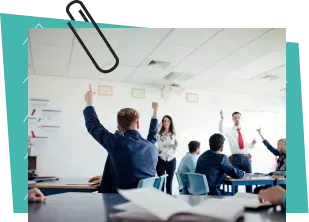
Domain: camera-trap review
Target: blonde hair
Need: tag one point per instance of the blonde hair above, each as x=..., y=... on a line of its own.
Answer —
x=282, y=140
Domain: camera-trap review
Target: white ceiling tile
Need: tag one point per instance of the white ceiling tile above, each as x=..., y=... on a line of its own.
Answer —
x=171, y=53
x=101, y=57
x=29, y=56
x=230, y=40
x=253, y=51
x=89, y=71
x=150, y=73
x=61, y=37
x=189, y=37
x=262, y=65
x=30, y=70
x=83, y=70
x=93, y=40
x=119, y=74
x=50, y=52
x=50, y=67
x=277, y=35
x=199, y=60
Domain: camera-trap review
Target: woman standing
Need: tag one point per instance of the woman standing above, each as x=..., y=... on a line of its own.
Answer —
x=167, y=145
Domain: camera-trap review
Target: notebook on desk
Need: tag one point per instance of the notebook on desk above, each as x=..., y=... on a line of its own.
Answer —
x=143, y=206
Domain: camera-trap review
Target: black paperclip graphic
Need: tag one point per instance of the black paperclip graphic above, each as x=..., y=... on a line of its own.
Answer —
x=98, y=30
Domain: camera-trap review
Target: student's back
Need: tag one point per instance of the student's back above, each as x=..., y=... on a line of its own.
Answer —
x=214, y=165
x=188, y=162
x=132, y=157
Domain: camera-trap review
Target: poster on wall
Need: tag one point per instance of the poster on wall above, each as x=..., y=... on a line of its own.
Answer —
x=105, y=90
x=138, y=93
x=192, y=98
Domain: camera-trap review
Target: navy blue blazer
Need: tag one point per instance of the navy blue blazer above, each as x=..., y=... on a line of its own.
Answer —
x=132, y=157
x=214, y=165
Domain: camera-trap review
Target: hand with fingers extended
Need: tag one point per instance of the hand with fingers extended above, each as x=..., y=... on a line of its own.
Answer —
x=89, y=96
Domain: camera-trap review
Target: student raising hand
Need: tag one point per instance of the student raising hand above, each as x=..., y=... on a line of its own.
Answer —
x=35, y=195
x=89, y=96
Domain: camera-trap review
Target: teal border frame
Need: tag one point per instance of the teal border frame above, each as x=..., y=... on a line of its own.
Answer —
x=296, y=195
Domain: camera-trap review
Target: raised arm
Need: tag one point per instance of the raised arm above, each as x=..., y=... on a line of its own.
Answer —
x=153, y=128
x=93, y=125
x=221, y=123
x=231, y=171
x=268, y=145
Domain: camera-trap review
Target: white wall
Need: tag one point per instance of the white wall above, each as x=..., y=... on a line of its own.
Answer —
x=72, y=153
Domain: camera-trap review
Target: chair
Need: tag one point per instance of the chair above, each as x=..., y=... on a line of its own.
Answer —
x=159, y=183
x=196, y=184
x=148, y=182
x=182, y=183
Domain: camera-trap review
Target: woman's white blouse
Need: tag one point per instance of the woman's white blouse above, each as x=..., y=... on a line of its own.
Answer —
x=167, y=146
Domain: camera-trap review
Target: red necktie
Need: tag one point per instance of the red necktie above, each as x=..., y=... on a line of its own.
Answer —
x=240, y=140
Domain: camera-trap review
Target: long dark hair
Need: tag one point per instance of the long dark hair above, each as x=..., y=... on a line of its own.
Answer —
x=171, y=128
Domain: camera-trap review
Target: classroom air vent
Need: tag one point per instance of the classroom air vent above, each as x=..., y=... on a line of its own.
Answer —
x=159, y=64
x=270, y=77
x=181, y=77
x=172, y=75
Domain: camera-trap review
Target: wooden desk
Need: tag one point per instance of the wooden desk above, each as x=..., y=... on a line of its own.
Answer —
x=95, y=207
x=64, y=186
x=234, y=183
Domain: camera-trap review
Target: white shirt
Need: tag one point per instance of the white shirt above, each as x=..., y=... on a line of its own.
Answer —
x=232, y=135
x=167, y=147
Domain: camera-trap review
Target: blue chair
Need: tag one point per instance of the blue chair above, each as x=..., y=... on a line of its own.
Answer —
x=159, y=182
x=196, y=184
x=182, y=183
x=148, y=182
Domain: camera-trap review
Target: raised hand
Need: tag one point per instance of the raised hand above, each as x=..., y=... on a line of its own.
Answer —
x=259, y=131
x=155, y=105
x=89, y=96
x=221, y=114
x=254, y=142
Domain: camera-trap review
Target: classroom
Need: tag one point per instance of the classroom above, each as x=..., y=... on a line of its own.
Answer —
x=198, y=77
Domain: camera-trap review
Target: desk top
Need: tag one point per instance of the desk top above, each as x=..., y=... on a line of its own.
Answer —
x=250, y=179
x=64, y=184
x=95, y=207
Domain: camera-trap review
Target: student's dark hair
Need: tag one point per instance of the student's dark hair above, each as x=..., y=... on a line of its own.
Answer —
x=171, y=128
x=193, y=146
x=235, y=113
x=216, y=142
x=127, y=118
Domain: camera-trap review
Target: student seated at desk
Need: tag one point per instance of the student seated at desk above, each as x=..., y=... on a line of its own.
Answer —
x=274, y=195
x=280, y=152
x=214, y=165
x=132, y=157
x=188, y=162
x=35, y=195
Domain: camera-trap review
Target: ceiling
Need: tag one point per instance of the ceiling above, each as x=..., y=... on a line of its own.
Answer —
x=229, y=60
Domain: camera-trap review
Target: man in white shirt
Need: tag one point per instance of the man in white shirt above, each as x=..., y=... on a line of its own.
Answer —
x=239, y=144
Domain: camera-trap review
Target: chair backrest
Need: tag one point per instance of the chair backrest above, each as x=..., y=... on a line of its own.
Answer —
x=196, y=184
x=148, y=182
x=181, y=181
x=160, y=181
